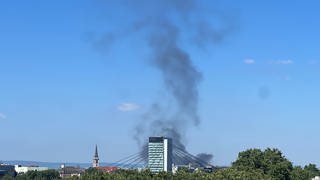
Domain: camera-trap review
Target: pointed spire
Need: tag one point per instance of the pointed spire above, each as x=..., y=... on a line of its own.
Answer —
x=95, y=161
x=96, y=152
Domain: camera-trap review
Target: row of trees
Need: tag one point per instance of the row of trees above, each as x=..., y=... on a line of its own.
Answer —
x=36, y=175
x=250, y=164
x=271, y=164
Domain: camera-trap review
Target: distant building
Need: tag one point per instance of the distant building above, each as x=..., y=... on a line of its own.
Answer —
x=23, y=169
x=95, y=161
x=6, y=169
x=160, y=154
x=70, y=171
x=191, y=168
x=176, y=168
x=107, y=168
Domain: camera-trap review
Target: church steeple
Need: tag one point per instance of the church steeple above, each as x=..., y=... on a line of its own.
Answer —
x=95, y=161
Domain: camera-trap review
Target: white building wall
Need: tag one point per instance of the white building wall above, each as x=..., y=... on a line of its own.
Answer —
x=24, y=169
x=165, y=155
x=159, y=154
x=21, y=169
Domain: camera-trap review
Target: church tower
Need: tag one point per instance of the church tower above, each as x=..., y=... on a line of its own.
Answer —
x=95, y=161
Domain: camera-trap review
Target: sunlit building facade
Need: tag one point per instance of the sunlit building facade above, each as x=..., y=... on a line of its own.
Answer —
x=160, y=154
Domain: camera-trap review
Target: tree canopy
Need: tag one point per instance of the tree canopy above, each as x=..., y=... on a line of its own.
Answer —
x=270, y=161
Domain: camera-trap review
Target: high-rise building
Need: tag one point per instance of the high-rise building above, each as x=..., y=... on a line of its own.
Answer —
x=160, y=154
x=95, y=161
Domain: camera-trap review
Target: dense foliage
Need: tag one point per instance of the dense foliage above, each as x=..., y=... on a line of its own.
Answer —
x=36, y=175
x=270, y=162
x=251, y=164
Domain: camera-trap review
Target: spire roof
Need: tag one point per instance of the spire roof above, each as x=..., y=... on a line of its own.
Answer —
x=96, y=152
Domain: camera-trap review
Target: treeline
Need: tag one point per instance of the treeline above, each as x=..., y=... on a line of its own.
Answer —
x=251, y=164
x=36, y=175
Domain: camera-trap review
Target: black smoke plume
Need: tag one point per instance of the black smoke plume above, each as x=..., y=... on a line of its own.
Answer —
x=163, y=25
x=205, y=157
x=181, y=77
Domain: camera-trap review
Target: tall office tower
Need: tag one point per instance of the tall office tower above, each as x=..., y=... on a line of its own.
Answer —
x=95, y=161
x=160, y=154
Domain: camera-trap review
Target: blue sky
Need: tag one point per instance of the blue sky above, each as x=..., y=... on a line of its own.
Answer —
x=59, y=96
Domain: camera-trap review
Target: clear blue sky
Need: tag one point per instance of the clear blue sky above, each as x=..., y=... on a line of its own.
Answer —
x=59, y=96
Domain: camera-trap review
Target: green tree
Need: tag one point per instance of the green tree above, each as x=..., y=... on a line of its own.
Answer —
x=312, y=170
x=7, y=177
x=93, y=174
x=237, y=174
x=249, y=159
x=40, y=175
x=298, y=173
x=270, y=161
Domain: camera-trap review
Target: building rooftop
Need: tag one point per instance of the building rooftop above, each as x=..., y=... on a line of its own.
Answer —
x=107, y=168
x=71, y=170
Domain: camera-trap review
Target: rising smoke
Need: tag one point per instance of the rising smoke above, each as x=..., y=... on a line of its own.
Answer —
x=181, y=77
x=169, y=26
x=205, y=157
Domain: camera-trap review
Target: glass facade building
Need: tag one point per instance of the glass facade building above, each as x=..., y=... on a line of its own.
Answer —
x=160, y=154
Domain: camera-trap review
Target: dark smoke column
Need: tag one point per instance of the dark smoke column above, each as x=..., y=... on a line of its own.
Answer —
x=164, y=25
x=172, y=117
x=179, y=74
x=181, y=81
